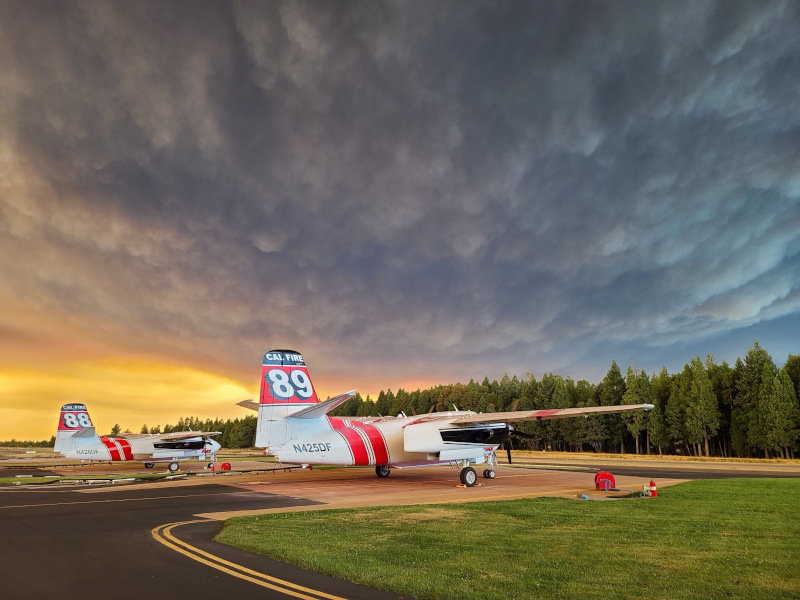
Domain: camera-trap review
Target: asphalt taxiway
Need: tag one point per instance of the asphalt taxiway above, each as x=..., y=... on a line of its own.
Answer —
x=79, y=544
x=138, y=540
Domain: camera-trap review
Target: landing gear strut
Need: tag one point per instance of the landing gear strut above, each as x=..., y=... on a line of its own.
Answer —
x=383, y=471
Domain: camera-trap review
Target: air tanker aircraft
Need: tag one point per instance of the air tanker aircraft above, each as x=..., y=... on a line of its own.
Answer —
x=295, y=427
x=76, y=438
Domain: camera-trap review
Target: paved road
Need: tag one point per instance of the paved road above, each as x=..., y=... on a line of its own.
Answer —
x=99, y=545
x=664, y=469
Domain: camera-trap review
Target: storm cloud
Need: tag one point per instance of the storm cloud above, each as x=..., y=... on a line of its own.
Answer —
x=399, y=189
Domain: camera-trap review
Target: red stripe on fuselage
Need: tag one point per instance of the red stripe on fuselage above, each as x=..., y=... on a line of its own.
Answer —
x=126, y=449
x=376, y=440
x=113, y=451
x=353, y=439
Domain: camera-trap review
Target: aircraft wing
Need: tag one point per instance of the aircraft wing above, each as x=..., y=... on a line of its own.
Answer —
x=178, y=435
x=550, y=413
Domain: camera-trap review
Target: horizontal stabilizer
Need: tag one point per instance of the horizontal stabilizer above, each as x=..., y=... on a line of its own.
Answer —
x=85, y=432
x=248, y=404
x=323, y=408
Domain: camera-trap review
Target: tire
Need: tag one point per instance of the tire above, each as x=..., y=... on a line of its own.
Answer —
x=211, y=466
x=149, y=465
x=383, y=471
x=173, y=467
x=489, y=473
x=468, y=476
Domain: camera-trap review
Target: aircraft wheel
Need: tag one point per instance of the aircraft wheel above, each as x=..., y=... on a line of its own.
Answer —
x=468, y=476
x=211, y=465
x=489, y=473
x=383, y=471
x=173, y=466
x=149, y=465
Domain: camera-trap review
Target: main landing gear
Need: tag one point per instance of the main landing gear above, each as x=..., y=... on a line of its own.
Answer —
x=173, y=466
x=383, y=471
x=468, y=475
x=149, y=465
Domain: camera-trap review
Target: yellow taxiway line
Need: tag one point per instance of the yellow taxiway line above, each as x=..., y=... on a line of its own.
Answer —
x=163, y=534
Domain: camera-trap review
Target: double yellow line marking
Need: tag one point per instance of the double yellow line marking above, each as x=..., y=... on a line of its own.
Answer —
x=163, y=534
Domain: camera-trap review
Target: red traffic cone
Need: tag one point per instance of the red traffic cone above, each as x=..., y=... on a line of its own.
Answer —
x=653, y=489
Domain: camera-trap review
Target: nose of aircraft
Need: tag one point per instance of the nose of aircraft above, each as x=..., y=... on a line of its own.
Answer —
x=214, y=445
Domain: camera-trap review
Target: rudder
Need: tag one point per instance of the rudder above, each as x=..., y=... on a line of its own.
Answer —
x=285, y=380
x=72, y=419
x=285, y=389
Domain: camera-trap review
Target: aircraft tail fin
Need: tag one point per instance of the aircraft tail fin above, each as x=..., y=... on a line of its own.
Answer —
x=285, y=380
x=74, y=423
x=286, y=388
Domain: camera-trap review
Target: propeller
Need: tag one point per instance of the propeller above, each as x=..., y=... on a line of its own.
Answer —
x=508, y=445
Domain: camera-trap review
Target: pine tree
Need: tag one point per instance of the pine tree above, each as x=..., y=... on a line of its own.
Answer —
x=792, y=366
x=636, y=385
x=756, y=371
x=675, y=412
x=702, y=413
x=612, y=388
x=383, y=406
x=777, y=410
x=656, y=423
x=723, y=383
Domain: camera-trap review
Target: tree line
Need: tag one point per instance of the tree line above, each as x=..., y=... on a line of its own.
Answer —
x=236, y=433
x=749, y=409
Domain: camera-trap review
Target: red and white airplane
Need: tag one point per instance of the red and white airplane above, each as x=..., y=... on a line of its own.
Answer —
x=76, y=438
x=295, y=427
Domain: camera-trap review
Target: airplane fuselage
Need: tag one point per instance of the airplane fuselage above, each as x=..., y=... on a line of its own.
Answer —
x=141, y=449
x=385, y=441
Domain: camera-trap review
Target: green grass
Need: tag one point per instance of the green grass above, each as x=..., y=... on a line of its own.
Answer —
x=732, y=538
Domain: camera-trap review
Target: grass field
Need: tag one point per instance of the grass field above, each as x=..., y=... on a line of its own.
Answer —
x=735, y=538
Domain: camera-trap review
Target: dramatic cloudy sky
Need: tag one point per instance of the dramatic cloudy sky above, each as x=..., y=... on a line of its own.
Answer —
x=409, y=193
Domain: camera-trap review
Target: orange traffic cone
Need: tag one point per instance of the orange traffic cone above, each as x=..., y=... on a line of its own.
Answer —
x=653, y=489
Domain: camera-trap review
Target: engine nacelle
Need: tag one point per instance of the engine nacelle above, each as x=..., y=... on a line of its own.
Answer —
x=431, y=437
